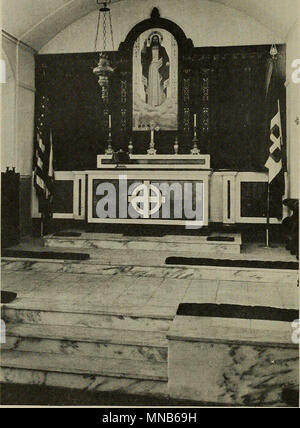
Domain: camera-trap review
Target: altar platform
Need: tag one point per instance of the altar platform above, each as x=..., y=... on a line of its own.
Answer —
x=124, y=248
x=179, y=191
x=106, y=323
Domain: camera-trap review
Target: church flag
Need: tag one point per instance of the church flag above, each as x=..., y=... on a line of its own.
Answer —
x=274, y=141
x=43, y=161
x=274, y=161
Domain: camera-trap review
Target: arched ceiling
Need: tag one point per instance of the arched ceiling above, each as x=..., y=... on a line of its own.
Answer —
x=35, y=22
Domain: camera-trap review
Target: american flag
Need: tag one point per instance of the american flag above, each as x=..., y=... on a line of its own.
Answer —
x=274, y=139
x=43, y=160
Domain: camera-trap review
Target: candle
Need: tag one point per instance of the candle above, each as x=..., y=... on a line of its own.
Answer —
x=109, y=121
x=195, y=121
x=152, y=135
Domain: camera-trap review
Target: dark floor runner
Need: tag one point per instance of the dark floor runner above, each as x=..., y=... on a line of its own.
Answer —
x=44, y=255
x=34, y=395
x=237, y=311
x=8, y=296
x=260, y=264
x=144, y=233
x=220, y=238
x=16, y=394
x=68, y=234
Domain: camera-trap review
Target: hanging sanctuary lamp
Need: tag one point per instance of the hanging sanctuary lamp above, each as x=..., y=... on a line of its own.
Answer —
x=104, y=70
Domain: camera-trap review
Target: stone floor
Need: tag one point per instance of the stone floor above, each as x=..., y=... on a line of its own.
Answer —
x=154, y=288
x=249, y=251
x=132, y=294
x=97, y=290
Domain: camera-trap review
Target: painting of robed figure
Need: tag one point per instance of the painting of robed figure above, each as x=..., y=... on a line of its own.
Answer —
x=155, y=80
x=156, y=71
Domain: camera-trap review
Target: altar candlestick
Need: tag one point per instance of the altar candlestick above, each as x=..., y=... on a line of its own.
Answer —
x=195, y=150
x=176, y=146
x=151, y=150
x=130, y=147
x=109, y=150
x=195, y=125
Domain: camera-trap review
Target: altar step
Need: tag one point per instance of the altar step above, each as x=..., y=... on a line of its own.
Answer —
x=89, y=367
x=56, y=340
x=63, y=345
x=87, y=342
x=49, y=313
x=198, y=246
x=149, y=270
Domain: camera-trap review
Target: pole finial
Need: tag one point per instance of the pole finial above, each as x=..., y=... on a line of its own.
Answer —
x=273, y=51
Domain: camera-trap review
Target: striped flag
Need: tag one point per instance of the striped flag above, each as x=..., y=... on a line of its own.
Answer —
x=43, y=161
x=274, y=140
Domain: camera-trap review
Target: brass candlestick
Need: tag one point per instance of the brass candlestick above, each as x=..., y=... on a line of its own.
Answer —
x=109, y=150
x=152, y=150
x=176, y=146
x=195, y=150
x=130, y=147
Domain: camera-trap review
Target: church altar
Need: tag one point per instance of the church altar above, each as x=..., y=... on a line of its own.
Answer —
x=186, y=119
x=153, y=189
x=232, y=197
x=168, y=162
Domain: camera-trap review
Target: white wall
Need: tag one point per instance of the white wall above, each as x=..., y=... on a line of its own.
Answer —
x=8, y=148
x=206, y=23
x=17, y=121
x=17, y=105
x=293, y=112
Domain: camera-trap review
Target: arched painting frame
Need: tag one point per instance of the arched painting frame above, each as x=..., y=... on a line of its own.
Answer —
x=126, y=70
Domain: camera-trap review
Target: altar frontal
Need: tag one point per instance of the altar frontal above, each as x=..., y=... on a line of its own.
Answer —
x=145, y=198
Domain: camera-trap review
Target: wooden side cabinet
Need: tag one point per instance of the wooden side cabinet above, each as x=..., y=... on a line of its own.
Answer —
x=10, y=221
x=291, y=226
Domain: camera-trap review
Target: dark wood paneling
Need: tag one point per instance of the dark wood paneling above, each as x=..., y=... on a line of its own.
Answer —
x=63, y=197
x=224, y=85
x=10, y=205
x=25, y=206
x=254, y=199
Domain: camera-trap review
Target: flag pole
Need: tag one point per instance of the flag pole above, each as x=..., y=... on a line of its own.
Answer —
x=42, y=225
x=268, y=216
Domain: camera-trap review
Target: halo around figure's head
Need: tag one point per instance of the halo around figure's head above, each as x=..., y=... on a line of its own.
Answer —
x=157, y=34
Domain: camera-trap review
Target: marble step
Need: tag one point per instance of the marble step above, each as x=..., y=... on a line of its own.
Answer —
x=197, y=246
x=95, y=267
x=84, y=382
x=69, y=340
x=110, y=367
x=48, y=312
